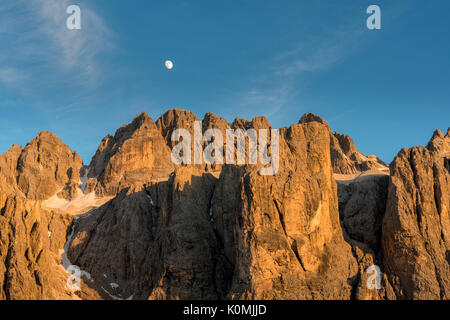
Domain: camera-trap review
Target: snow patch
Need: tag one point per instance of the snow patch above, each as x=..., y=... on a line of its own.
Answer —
x=211, y=218
x=67, y=265
x=78, y=205
x=114, y=285
x=116, y=297
x=349, y=178
x=150, y=199
x=84, y=179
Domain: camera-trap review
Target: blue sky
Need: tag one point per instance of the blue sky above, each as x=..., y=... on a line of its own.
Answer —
x=387, y=89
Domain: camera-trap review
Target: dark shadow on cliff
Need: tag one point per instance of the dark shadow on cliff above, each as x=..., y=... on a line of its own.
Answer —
x=156, y=241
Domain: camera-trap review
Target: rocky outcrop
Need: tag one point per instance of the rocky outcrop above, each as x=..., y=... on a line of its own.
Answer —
x=314, y=230
x=8, y=165
x=287, y=237
x=362, y=204
x=416, y=226
x=30, y=240
x=242, y=236
x=175, y=119
x=44, y=167
x=32, y=237
x=137, y=153
x=160, y=243
x=345, y=158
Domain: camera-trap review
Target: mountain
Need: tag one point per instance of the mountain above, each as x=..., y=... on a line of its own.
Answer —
x=416, y=230
x=137, y=226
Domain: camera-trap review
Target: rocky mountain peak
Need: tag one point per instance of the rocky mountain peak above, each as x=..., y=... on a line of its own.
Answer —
x=225, y=232
x=416, y=226
x=9, y=158
x=440, y=143
x=345, y=157
x=437, y=134
x=346, y=143
x=15, y=148
x=175, y=119
x=137, y=153
x=260, y=122
x=140, y=124
x=211, y=120
x=42, y=135
x=311, y=117
x=45, y=166
x=239, y=123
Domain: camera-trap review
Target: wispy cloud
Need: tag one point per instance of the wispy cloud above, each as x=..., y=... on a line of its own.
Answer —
x=267, y=100
x=10, y=76
x=77, y=47
x=285, y=75
x=45, y=51
x=321, y=53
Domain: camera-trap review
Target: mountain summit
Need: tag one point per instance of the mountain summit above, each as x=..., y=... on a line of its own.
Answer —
x=137, y=226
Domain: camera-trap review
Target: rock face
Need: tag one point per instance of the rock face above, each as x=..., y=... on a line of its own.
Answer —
x=284, y=244
x=345, y=158
x=224, y=231
x=362, y=204
x=136, y=153
x=44, y=167
x=30, y=239
x=288, y=243
x=175, y=119
x=160, y=243
x=416, y=227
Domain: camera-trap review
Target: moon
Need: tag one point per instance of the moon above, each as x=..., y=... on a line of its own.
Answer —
x=169, y=64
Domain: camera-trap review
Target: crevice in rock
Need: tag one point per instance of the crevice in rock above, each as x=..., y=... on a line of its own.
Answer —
x=293, y=243
x=294, y=249
x=418, y=213
x=447, y=164
x=34, y=227
x=439, y=280
x=37, y=279
x=39, y=255
x=436, y=190
x=355, y=284
x=280, y=216
x=221, y=254
x=6, y=274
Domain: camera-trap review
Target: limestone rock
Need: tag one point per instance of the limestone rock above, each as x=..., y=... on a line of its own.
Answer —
x=155, y=241
x=416, y=226
x=137, y=153
x=345, y=158
x=43, y=167
x=30, y=240
x=288, y=240
x=189, y=237
x=175, y=119
x=312, y=231
x=362, y=204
